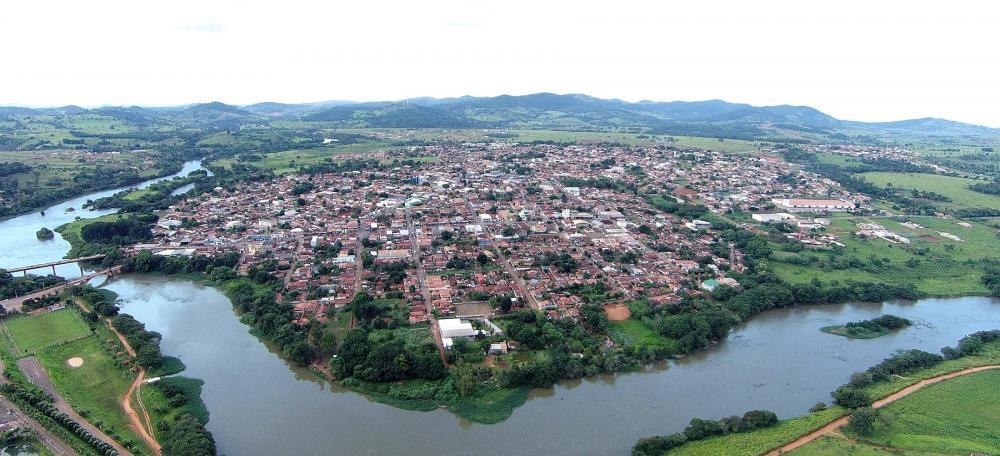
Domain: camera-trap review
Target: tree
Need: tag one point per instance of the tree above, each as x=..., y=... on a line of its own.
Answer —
x=863, y=421
x=851, y=397
x=699, y=429
x=465, y=380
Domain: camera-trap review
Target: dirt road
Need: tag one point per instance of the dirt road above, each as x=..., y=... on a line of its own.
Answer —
x=134, y=419
x=839, y=422
x=37, y=374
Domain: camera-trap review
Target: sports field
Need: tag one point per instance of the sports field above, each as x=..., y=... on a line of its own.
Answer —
x=34, y=332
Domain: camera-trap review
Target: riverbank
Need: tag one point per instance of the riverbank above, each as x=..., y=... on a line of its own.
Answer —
x=782, y=436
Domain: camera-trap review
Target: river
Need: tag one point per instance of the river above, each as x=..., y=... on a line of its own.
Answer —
x=259, y=405
x=778, y=360
x=20, y=247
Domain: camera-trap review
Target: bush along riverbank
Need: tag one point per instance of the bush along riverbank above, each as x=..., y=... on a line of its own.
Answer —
x=869, y=329
x=890, y=376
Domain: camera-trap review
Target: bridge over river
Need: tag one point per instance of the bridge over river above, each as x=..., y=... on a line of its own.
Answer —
x=17, y=303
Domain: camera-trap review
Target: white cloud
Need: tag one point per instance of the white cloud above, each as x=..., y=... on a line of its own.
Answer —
x=853, y=59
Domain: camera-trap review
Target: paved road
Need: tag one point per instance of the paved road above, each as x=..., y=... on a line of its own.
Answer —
x=53, y=443
x=424, y=290
x=37, y=374
x=18, y=302
x=515, y=277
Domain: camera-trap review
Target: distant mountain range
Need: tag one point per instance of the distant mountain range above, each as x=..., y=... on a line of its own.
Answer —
x=714, y=118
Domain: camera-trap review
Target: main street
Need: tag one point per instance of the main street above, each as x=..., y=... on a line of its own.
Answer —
x=424, y=289
x=522, y=290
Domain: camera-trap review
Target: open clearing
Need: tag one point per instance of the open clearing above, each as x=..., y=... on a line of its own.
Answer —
x=956, y=188
x=34, y=332
x=617, y=312
x=632, y=333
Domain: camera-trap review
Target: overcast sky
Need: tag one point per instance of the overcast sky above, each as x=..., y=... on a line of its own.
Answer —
x=858, y=60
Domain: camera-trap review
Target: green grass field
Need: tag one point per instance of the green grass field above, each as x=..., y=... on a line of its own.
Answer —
x=830, y=446
x=289, y=161
x=956, y=188
x=761, y=441
x=31, y=333
x=935, y=264
x=633, y=333
x=95, y=387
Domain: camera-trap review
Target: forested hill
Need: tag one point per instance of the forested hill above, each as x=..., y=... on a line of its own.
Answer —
x=713, y=118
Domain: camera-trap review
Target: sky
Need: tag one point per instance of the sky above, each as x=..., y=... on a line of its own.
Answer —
x=858, y=60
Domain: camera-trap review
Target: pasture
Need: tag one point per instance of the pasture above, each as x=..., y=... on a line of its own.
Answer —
x=955, y=188
x=932, y=262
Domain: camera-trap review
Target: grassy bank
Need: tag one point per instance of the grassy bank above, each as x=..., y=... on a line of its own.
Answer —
x=953, y=417
x=632, y=333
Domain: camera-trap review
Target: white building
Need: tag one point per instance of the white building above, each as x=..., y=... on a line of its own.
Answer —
x=805, y=205
x=456, y=327
x=772, y=218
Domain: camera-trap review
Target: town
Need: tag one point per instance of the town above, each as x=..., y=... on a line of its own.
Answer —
x=487, y=228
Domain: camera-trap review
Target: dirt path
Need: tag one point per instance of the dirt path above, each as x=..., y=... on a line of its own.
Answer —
x=37, y=374
x=126, y=400
x=840, y=422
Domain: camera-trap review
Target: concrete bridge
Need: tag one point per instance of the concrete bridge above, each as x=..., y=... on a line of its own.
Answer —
x=53, y=264
x=17, y=303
